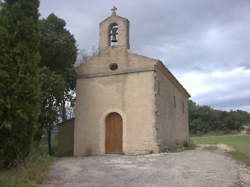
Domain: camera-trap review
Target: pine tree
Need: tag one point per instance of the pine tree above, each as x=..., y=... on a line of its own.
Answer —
x=20, y=88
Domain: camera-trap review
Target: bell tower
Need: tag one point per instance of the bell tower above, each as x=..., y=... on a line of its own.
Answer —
x=114, y=33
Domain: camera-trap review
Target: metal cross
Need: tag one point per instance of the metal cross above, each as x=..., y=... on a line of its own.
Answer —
x=113, y=10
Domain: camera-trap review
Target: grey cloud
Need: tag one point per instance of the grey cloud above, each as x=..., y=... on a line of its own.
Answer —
x=187, y=36
x=232, y=103
x=235, y=95
x=197, y=68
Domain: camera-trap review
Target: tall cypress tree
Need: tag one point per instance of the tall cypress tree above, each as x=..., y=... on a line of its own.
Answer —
x=20, y=90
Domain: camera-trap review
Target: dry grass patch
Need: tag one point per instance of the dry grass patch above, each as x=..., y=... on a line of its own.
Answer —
x=237, y=146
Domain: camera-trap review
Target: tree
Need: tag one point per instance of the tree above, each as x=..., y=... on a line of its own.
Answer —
x=204, y=119
x=58, y=51
x=19, y=78
x=58, y=54
x=53, y=86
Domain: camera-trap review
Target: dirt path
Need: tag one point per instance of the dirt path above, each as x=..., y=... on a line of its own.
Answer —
x=184, y=169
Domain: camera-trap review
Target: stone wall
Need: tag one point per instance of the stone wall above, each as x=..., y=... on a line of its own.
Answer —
x=171, y=112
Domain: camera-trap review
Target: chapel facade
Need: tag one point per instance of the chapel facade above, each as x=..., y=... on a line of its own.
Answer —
x=127, y=103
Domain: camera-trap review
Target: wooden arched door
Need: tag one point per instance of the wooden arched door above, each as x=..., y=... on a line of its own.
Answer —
x=113, y=139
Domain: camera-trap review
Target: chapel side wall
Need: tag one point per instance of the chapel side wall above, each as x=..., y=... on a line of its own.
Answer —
x=171, y=117
x=117, y=93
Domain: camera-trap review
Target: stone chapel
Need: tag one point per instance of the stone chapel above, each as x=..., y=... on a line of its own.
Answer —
x=126, y=103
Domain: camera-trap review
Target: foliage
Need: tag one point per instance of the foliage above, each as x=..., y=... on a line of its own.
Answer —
x=240, y=143
x=34, y=88
x=58, y=51
x=53, y=87
x=204, y=119
x=58, y=54
x=19, y=78
x=30, y=172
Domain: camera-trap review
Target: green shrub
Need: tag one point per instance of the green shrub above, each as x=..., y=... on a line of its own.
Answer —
x=29, y=173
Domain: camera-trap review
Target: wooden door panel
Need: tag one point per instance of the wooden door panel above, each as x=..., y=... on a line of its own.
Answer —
x=113, y=140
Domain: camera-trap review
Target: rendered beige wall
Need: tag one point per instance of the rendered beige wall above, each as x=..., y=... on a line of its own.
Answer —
x=171, y=119
x=130, y=94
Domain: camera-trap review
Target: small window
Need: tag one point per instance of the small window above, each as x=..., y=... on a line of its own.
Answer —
x=159, y=86
x=113, y=66
x=174, y=102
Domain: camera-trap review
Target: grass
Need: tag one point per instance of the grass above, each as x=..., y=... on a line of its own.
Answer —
x=29, y=173
x=241, y=144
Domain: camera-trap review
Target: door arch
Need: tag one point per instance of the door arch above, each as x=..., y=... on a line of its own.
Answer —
x=113, y=134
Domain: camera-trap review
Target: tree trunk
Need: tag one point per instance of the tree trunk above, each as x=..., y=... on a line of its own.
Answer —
x=38, y=134
x=64, y=115
x=49, y=140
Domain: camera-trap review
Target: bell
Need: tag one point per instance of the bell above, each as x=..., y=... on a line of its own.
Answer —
x=113, y=34
x=113, y=38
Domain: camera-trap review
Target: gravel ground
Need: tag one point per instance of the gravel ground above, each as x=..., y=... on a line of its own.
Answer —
x=183, y=169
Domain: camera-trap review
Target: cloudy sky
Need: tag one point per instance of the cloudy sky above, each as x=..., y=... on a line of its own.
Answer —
x=205, y=43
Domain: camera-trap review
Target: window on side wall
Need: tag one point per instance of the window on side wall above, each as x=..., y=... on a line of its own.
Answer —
x=174, y=101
